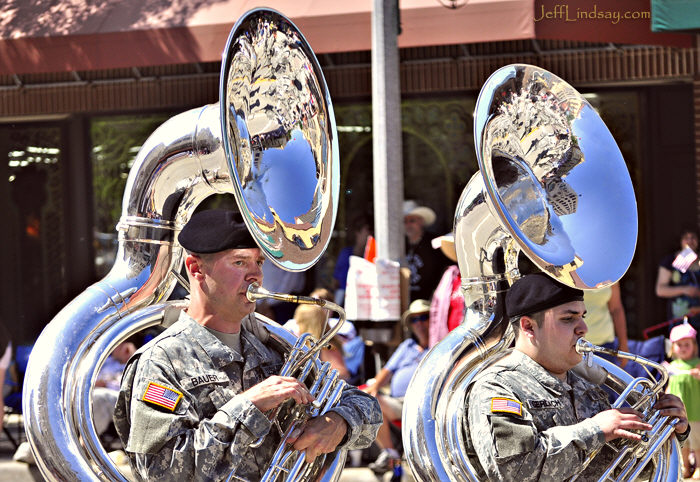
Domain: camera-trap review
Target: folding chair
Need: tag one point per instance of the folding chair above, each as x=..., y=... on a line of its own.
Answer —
x=662, y=328
x=653, y=349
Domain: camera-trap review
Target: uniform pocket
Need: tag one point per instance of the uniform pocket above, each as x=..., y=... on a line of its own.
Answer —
x=270, y=369
x=595, y=400
x=205, y=389
x=512, y=436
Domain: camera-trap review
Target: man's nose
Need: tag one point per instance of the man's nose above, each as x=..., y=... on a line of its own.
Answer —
x=582, y=327
x=256, y=274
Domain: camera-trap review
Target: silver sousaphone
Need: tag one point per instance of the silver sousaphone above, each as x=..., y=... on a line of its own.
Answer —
x=271, y=141
x=552, y=185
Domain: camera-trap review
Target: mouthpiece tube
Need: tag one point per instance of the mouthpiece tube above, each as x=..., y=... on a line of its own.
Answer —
x=256, y=292
x=584, y=346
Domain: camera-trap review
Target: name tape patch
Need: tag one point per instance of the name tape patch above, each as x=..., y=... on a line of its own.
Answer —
x=161, y=395
x=535, y=404
x=506, y=405
x=202, y=379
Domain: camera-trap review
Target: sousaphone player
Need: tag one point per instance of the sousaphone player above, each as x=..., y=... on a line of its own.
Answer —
x=193, y=400
x=530, y=416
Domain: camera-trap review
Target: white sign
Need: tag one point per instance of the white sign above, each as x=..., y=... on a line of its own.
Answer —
x=373, y=290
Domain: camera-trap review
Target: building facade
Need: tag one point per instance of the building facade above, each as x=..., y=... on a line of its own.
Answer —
x=68, y=136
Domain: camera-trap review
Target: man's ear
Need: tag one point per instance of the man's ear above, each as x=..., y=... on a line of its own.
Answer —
x=193, y=265
x=527, y=326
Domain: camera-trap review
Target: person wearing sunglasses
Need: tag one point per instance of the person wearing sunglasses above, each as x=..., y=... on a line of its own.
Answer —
x=398, y=372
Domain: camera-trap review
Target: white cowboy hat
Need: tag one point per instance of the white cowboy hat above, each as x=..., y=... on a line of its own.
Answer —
x=416, y=307
x=411, y=208
x=447, y=244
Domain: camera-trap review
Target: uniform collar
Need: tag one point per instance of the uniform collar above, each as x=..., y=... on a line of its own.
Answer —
x=254, y=352
x=544, y=377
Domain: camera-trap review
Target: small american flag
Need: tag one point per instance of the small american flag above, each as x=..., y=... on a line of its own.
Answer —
x=160, y=395
x=684, y=259
x=506, y=405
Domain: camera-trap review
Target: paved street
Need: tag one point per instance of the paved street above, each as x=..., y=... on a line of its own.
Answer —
x=11, y=471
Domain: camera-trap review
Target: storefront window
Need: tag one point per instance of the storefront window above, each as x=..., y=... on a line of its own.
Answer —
x=116, y=141
x=438, y=155
x=35, y=227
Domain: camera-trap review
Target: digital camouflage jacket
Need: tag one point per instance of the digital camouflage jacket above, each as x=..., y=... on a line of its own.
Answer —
x=181, y=415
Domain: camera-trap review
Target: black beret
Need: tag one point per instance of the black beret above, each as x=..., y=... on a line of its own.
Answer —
x=538, y=292
x=215, y=230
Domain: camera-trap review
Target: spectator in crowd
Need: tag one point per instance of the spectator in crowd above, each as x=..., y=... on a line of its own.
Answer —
x=684, y=382
x=680, y=283
x=104, y=395
x=359, y=230
x=447, y=305
x=605, y=318
x=352, y=345
x=313, y=319
x=353, y=349
x=426, y=264
x=398, y=371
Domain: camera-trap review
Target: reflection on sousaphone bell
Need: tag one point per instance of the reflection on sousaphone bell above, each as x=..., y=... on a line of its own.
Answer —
x=553, y=180
x=278, y=133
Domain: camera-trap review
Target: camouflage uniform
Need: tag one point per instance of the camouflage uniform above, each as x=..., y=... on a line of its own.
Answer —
x=525, y=424
x=208, y=431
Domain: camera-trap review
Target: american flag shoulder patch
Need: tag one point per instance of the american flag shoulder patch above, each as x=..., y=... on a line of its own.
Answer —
x=506, y=405
x=161, y=395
